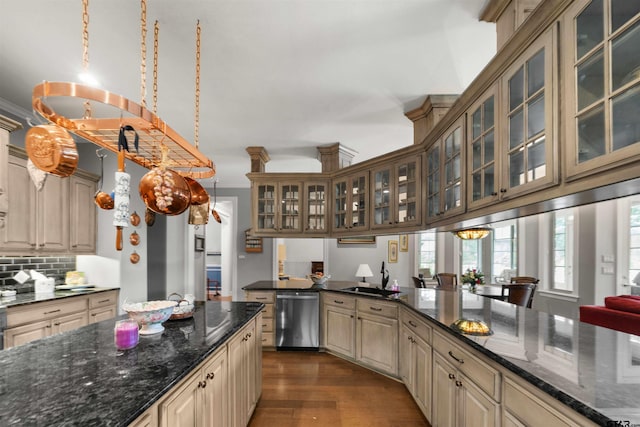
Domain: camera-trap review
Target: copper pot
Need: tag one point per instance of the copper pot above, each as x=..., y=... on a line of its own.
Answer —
x=199, y=195
x=52, y=149
x=135, y=219
x=165, y=192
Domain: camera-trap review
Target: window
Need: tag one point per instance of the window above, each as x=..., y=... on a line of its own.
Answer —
x=505, y=248
x=634, y=240
x=563, y=222
x=471, y=254
x=427, y=251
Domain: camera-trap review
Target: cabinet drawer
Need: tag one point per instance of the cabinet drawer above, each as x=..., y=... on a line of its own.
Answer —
x=103, y=299
x=261, y=296
x=371, y=306
x=267, y=311
x=268, y=339
x=418, y=326
x=267, y=324
x=483, y=375
x=42, y=311
x=331, y=298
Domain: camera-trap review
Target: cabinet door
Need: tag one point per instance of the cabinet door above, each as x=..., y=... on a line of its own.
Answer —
x=602, y=50
x=4, y=173
x=69, y=322
x=148, y=419
x=377, y=342
x=249, y=366
x=432, y=179
x=452, y=188
x=475, y=408
x=215, y=399
x=340, y=205
x=421, y=352
x=19, y=228
x=264, y=198
x=181, y=408
x=383, y=196
x=482, y=163
x=315, y=199
x=408, y=192
x=528, y=108
x=339, y=330
x=53, y=215
x=350, y=203
x=406, y=362
x=237, y=388
x=26, y=333
x=82, y=215
x=444, y=393
x=290, y=207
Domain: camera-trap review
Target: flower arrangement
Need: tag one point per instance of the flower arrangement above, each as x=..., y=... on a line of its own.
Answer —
x=473, y=277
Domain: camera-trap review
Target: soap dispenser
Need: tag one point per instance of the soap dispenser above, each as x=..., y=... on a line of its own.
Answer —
x=395, y=286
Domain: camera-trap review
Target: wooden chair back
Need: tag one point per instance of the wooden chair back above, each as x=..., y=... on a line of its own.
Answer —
x=447, y=280
x=524, y=279
x=419, y=283
x=519, y=293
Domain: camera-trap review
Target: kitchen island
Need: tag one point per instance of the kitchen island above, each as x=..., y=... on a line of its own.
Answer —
x=79, y=378
x=590, y=369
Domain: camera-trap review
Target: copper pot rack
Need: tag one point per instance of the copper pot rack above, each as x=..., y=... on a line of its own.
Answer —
x=153, y=132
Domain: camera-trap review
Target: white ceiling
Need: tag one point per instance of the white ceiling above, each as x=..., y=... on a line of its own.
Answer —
x=289, y=75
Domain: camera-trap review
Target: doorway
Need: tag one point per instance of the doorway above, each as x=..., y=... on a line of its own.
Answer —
x=221, y=249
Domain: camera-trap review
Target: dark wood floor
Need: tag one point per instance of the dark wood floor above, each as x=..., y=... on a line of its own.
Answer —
x=318, y=389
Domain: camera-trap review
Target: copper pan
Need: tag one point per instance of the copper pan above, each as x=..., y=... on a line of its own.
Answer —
x=199, y=195
x=52, y=149
x=165, y=191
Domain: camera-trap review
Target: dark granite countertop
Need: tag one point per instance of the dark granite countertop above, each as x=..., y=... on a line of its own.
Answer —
x=594, y=370
x=31, y=297
x=78, y=378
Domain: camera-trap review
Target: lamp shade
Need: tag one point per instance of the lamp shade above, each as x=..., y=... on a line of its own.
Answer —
x=472, y=233
x=472, y=327
x=364, y=271
x=636, y=279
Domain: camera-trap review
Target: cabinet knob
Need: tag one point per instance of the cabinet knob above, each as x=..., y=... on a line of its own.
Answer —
x=202, y=384
x=210, y=375
x=494, y=194
x=452, y=377
x=458, y=383
x=503, y=190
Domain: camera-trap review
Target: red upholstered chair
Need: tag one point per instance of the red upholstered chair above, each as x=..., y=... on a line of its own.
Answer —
x=621, y=313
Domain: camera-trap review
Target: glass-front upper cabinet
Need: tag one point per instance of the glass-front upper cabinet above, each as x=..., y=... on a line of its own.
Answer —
x=315, y=214
x=602, y=43
x=350, y=203
x=395, y=192
x=445, y=186
x=482, y=162
x=277, y=207
x=529, y=97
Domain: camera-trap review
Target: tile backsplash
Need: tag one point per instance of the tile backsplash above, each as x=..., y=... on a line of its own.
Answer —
x=49, y=266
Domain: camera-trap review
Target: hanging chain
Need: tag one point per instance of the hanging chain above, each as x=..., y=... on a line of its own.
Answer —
x=85, y=50
x=197, y=130
x=143, y=53
x=156, y=32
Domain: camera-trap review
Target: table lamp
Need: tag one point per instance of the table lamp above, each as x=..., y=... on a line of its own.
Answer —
x=364, y=271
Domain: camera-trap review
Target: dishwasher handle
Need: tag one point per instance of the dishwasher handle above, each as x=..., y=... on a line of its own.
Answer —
x=295, y=296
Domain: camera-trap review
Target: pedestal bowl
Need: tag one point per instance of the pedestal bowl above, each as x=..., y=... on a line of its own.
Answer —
x=150, y=315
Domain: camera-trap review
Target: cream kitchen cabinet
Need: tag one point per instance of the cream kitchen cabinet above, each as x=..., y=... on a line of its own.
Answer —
x=339, y=324
x=61, y=217
x=245, y=373
x=466, y=390
x=377, y=335
x=529, y=119
x=267, y=324
x=148, y=419
x=415, y=363
x=396, y=194
x=26, y=323
x=351, y=203
x=444, y=164
x=601, y=45
x=6, y=127
x=201, y=400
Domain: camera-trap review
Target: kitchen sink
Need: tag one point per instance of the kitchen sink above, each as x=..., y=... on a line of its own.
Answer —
x=372, y=291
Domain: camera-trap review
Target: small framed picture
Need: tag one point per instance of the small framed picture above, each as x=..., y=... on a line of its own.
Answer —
x=404, y=243
x=393, y=251
x=199, y=244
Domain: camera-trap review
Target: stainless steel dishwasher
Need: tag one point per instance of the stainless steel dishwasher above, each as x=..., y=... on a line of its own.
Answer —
x=297, y=320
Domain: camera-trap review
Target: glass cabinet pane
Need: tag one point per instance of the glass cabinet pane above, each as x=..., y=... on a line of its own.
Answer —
x=625, y=57
x=535, y=118
x=433, y=182
x=622, y=11
x=516, y=89
x=315, y=207
x=266, y=206
x=488, y=147
x=476, y=123
x=340, y=204
x=406, y=198
x=382, y=197
x=536, y=165
x=452, y=168
x=516, y=168
x=476, y=154
x=516, y=129
x=591, y=136
x=589, y=28
x=358, y=202
x=590, y=79
x=289, y=215
x=626, y=113
x=489, y=186
x=535, y=73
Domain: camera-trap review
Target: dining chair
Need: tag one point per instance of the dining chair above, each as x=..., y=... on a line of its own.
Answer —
x=524, y=279
x=419, y=283
x=447, y=280
x=519, y=293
